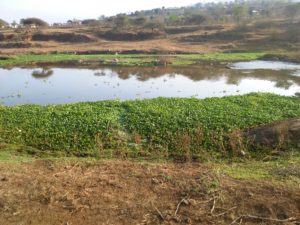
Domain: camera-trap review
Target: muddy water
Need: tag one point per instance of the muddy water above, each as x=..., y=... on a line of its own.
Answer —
x=67, y=85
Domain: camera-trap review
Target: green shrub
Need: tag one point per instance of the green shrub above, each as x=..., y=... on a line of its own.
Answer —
x=163, y=126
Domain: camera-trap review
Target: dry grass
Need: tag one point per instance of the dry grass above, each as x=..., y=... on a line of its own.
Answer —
x=262, y=36
x=117, y=192
x=271, y=36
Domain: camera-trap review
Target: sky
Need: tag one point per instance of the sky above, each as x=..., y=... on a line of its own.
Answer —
x=62, y=10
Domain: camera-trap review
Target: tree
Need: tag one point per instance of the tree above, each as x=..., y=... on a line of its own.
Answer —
x=292, y=10
x=14, y=24
x=102, y=18
x=140, y=21
x=121, y=21
x=173, y=19
x=240, y=11
x=218, y=12
x=154, y=25
x=34, y=21
x=3, y=23
x=90, y=22
x=195, y=19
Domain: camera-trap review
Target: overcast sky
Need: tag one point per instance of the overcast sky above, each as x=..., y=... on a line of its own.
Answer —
x=62, y=10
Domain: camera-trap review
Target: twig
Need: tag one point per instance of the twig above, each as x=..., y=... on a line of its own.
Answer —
x=66, y=170
x=291, y=219
x=223, y=213
x=214, y=206
x=237, y=219
x=178, y=206
x=159, y=213
x=204, y=202
x=241, y=221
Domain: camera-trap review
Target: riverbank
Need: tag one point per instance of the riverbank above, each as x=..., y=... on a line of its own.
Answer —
x=285, y=57
x=124, y=59
x=156, y=128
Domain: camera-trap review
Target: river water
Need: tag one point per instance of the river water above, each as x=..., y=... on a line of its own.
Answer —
x=68, y=85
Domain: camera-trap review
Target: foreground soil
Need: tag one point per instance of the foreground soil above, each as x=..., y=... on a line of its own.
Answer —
x=122, y=192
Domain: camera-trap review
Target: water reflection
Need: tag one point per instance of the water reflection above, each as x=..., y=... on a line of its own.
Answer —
x=266, y=65
x=42, y=74
x=199, y=73
x=297, y=73
x=64, y=85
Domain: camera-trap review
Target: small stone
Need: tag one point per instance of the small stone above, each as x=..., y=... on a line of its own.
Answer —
x=192, y=202
x=176, y=219
x=186, y=202
x=243, y=153
x=168, y=217
x=155, y=181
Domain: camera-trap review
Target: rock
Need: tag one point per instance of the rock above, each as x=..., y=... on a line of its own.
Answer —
x=155, y=181
x=243, y=153
x=281, y=134
x=176, y=219
x=185, y=202
x=192, y=202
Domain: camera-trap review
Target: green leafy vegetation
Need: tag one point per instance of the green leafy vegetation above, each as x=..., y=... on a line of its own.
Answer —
x=127, y=59
x=60, y=127
x=164, y=127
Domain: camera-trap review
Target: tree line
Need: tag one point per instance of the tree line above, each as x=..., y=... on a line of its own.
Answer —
x=223, y=12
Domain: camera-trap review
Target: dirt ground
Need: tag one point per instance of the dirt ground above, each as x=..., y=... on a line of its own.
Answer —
x=48, y=192
x=275, y=35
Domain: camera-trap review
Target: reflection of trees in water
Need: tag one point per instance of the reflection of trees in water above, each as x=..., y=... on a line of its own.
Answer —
x=285, y=84
x=297, y=73
x=44, y=73
x=233, y=80
x=283, y=79
x=146, y=73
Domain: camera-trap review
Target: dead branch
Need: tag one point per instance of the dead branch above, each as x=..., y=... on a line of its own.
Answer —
x=223, y=213
x=291, y=219
x=241, y=221
x=236, y=219
x=214, y=205
x=204, y=202
x=178, y=206
x=65, y=171
x=159, y=213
